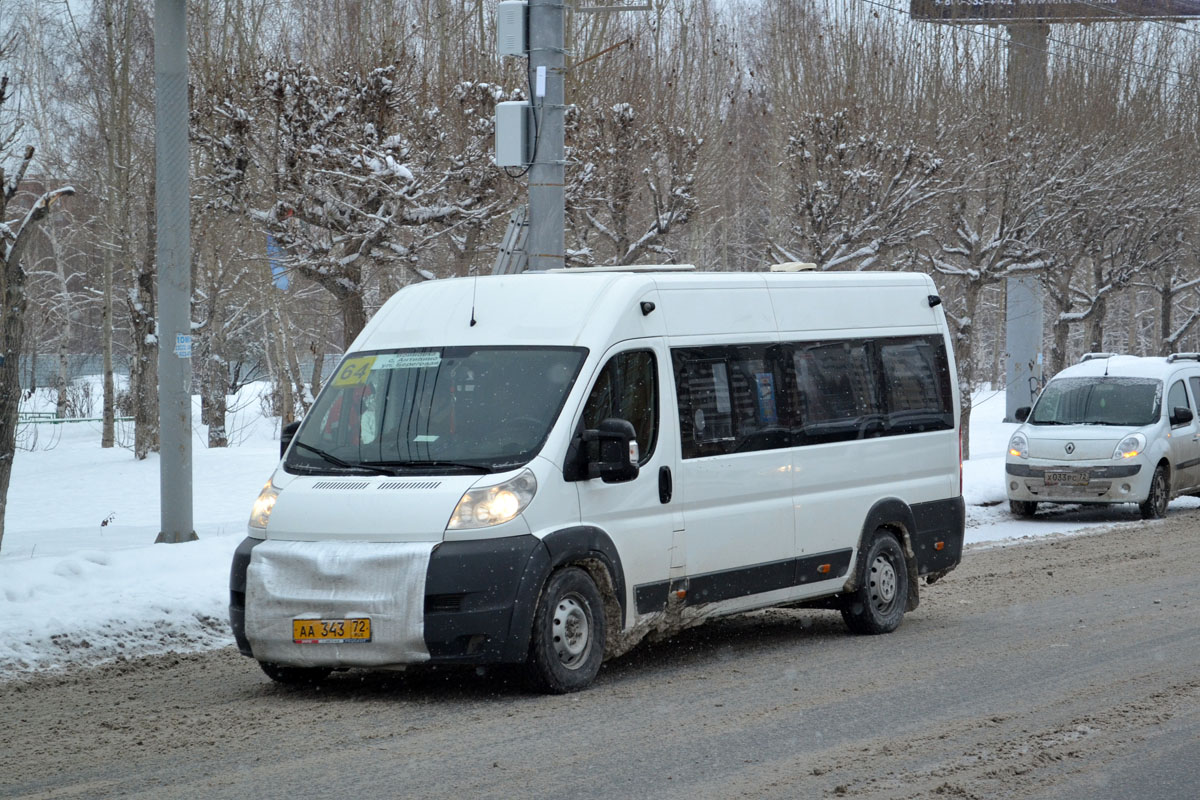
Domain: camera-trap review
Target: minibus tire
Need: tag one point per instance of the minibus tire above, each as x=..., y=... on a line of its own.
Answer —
x=295, y=676
x=877, y=605
x=1158, y=497
x=567, y=644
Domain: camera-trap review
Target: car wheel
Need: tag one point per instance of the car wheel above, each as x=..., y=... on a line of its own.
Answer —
x=295, y=676
x=568, y=634
x=1023, y=508
x=1155, y=506
x=877, y=605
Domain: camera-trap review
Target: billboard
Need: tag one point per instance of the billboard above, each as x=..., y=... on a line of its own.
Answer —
x=974, y=12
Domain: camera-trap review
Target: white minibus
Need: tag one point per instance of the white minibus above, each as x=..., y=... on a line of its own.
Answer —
x=540, y=469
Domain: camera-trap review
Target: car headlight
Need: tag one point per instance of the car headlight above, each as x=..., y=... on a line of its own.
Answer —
x=1018, y=446
x=1130, y=446
x=262, y=506
x=492, y=505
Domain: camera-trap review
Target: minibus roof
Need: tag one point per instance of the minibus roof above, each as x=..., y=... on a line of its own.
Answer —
x=593, y=310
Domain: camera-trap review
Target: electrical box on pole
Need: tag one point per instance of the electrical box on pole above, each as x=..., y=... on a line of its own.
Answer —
x=512, y=29
x=512, y=133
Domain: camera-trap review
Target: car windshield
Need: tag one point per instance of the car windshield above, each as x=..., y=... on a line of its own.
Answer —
x=1098, y=401
x=479, y=409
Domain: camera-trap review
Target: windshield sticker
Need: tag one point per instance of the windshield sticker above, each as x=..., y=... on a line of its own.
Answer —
x=408, y=361
x=425, y=438
x=354, y=371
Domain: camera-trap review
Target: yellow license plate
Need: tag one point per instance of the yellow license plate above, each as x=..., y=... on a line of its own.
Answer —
x=331, y=631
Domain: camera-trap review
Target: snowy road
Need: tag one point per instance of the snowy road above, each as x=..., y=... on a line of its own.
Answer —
x=1062, y=668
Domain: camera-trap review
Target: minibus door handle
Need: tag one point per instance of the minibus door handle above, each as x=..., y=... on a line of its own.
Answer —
x=664, y=484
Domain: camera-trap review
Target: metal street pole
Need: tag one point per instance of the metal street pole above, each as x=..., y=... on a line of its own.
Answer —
x=173, y=255
x=547, y=62
x=1027, y=59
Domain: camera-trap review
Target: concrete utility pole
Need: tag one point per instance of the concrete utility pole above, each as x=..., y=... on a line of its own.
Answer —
x=1027, y=58
x=173, y=256
x=547, y=173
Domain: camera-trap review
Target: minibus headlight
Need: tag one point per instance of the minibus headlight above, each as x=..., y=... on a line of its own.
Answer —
x=494, y=505
x=1018, y=446
x=1130, y=446
x=262, y=506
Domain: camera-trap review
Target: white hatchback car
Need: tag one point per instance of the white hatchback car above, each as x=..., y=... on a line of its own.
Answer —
x=1100, y=432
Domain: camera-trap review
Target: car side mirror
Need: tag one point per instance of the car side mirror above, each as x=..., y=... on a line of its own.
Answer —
x=1022, y=413
x=618, y=457
x=1181, y=415
x=286, y=435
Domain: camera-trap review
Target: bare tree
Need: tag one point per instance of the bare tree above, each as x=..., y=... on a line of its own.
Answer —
x=854, y=197
x=15, y=236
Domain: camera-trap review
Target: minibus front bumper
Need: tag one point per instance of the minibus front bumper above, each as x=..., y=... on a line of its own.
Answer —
x=478, y=600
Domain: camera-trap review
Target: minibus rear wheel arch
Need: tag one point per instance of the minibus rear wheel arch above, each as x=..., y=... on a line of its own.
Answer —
x=894, y=515
x=875, y=605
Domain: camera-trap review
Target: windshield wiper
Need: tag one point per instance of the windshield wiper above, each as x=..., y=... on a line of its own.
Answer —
x=338, y=462
x=419, y=464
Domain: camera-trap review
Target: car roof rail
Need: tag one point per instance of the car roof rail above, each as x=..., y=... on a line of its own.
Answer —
x=1090, y=356
x=1183, y=357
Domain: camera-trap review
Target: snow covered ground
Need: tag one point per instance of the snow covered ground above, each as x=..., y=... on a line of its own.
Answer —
x=81, y=580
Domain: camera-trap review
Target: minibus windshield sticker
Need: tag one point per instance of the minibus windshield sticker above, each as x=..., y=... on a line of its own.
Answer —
x=354, y=371
x=408, y=361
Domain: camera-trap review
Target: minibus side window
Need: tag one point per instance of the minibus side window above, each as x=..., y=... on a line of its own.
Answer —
x=627, y=389
x=835, y=391
x=731, y=399
x=916, y=385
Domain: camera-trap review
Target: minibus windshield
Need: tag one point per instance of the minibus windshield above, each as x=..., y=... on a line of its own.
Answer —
x=453, y=409
x=1099, y=401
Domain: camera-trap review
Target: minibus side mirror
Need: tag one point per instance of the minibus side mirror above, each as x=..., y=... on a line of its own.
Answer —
x=1180, y=415
x=286, y=436
x=618, y=461
x=1022, y=413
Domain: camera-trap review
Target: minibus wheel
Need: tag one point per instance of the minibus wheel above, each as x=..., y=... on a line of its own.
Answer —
x=295, y=676
x=1155, y=506
x=877, y=605
x=568, y=633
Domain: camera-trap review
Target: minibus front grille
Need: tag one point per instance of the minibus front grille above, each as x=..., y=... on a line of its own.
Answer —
x=409, y=485
x=351, y=485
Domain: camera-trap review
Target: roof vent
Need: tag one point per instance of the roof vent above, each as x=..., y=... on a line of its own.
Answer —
x=1092, y=356
x=794, y=266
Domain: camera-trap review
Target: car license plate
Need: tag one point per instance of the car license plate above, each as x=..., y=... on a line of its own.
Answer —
x=1066, y=479
x=331, y=631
